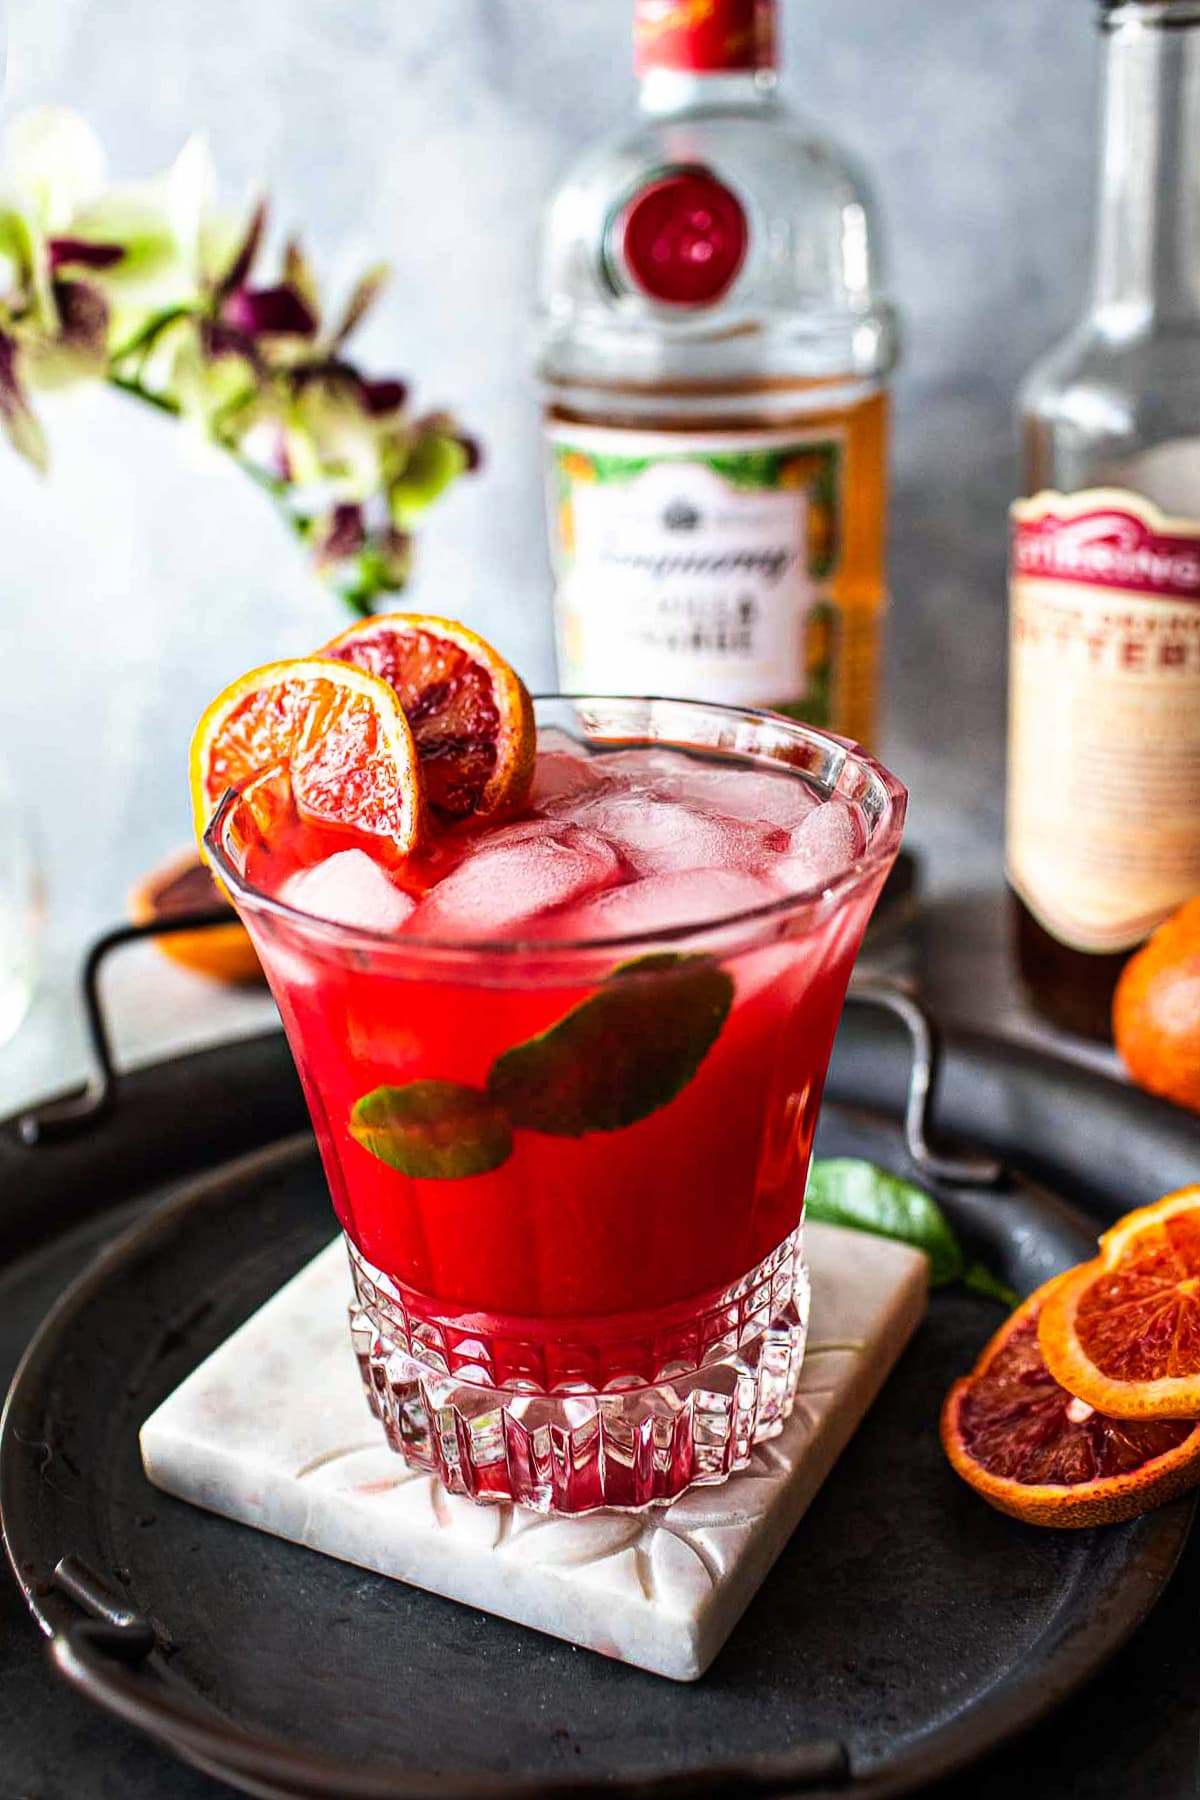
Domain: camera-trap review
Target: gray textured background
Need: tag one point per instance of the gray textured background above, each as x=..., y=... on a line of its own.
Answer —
x=142, y=577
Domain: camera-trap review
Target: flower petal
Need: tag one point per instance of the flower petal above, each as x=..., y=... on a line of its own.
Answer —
x=331, y=439
x=383, y=397
x=83, y=313
x=393, y=557
x=435, y=461
x=133, y=221
x=340, y=535
x=215, y=393
x=298, y=275
x=18, y=244
x=362, y=298
x=78, y=350
x=239, y=268
x=55, y=161
x=208, y=237
x=17, y=419
x=268, y=312
x=220, y=339
x=190, y=190
x=65, y=251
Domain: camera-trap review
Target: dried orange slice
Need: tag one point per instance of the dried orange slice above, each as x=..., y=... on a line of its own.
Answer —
x=1123, y=1331
x=184, y=884
x=470, y=715
x=338, y=734
x=1034, y=1451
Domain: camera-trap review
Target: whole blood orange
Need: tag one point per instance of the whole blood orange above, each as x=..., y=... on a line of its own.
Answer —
x=470, y=715
x=1156, y=1010
x=1034, y=1451
x=337, y=734
x=1123, y=1331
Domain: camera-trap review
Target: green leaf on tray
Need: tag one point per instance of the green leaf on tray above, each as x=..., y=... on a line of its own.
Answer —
x=620, y=1055
x=434, y=1130
x=844, y=1191
x=980, y=1280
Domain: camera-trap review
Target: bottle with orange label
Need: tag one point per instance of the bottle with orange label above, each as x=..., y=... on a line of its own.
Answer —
x=714, y=348
x=1103, y=829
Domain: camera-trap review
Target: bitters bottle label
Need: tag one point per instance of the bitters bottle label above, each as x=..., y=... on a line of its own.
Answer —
x=1104, y=715
x=697, y=566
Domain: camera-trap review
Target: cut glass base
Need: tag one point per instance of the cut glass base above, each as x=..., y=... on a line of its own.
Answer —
x=510, y=1414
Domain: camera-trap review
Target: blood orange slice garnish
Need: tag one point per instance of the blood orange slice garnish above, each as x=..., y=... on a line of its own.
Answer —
x=470, y=715
x=337, y=734
x=1123, y=1331
x=1033, y=1450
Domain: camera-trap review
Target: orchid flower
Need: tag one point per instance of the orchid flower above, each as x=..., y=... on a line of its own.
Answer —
x=156, y=290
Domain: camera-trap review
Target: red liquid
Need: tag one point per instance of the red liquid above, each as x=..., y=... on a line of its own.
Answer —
x=648, y=1222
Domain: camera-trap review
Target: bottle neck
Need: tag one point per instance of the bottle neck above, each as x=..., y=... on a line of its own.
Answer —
x=701, y=55
x=665, y=92
x=1147, y=274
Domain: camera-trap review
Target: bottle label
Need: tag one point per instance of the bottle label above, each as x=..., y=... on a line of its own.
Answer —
x=1104, y=715
x=704, y=37
x=697, y=565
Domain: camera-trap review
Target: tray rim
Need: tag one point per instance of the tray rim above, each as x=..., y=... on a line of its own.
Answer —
x=246, y=1756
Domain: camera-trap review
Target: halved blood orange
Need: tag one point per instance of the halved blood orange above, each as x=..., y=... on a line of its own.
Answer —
x=337, y=733
x=1034, y=1451
x=1123, y=1331
x=470, y=715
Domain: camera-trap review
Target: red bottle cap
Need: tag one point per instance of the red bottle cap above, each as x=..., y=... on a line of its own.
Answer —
x=704, y=37
x=682, y=239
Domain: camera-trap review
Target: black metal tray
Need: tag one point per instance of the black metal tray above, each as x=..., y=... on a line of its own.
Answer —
x=906, y=1622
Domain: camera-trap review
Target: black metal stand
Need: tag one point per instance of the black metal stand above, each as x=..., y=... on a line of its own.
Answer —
x=75, y=1112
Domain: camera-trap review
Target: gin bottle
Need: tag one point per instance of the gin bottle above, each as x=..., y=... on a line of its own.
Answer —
x=714, y=349
x=1103, y=837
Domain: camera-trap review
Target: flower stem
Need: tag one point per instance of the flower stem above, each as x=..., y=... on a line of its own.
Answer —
x=144, y=337
x=136, y=391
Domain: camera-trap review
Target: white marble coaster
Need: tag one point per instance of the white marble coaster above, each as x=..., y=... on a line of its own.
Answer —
x=274, y=1430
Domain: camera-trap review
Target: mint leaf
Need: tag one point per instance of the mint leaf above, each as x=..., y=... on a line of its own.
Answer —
x=843, y=1191
x=980, y=1280
x=620, y=1055
x=433, y=1130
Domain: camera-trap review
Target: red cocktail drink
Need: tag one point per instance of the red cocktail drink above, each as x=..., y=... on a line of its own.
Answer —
x=564, y=1073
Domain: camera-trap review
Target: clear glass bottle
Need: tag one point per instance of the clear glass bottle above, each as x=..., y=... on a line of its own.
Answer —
x=1104, y=690
x=714, y=348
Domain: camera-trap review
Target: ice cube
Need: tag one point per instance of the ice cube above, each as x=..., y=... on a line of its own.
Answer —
x=733, y=790
x=560, y=778
x=349, y=888
x=554, y=740
x=661, y=902
x=824, y=844
x=661, y=836
x=750, y=794
x=520, y=833
x=513, y=877
x=656, y=770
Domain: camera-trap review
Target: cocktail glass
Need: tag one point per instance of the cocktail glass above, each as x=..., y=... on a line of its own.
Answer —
x=571, y=1174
